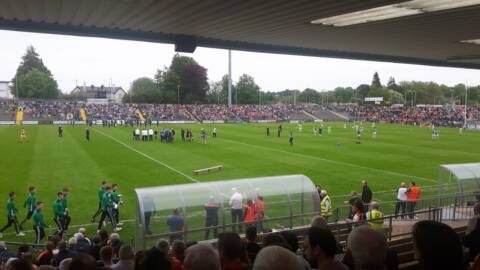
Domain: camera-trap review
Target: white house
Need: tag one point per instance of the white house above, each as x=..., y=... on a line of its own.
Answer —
x=100, y=94
x=5, y=90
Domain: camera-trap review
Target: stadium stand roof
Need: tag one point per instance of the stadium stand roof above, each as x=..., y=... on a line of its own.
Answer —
x=416, y=33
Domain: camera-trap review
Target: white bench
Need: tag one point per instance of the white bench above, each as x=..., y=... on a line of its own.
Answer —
x=208, y=170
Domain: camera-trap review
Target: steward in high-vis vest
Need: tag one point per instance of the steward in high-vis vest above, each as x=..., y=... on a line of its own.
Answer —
x=325, y=205
x=375, y=217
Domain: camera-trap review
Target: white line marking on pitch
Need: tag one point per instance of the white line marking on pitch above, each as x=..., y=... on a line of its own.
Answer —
x=147, y=156
x=331, y=161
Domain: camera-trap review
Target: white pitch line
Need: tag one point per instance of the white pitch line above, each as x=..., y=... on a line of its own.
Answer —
x=331, y=161
x=147, y=156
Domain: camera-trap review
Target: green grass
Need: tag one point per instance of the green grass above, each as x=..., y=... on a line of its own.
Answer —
x=400, y=153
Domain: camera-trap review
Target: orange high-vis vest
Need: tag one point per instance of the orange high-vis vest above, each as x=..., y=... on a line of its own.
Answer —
x=261, y=208
x=413, y=194
x=250, y=214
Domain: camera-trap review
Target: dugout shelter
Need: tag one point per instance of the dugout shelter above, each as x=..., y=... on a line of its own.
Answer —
x=466, y=176
x=289, y=201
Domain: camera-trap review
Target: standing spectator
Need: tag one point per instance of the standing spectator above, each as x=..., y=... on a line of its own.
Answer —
x=366, y=194
x=367, y=248
x=250, y=213
x=358, y=211
x=211, y=218
x=320, y=249
x=201, y=257
x=401, y=200
x=236, y=204
x=375, y=217
x=175, y=226
x=354, y=197
x=413, y=195
x=232, y=254
x=437, y=246
x=325, y=205
x=126, y=257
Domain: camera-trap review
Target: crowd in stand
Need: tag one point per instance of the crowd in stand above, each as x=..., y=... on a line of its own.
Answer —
x=69, y=110
x=438, y=116
x=437, y=247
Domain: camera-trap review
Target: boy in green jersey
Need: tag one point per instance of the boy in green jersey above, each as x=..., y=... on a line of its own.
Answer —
x=30, y=204
x=101, y=191
x=107, y=205
x=12, y=215
x=39, y=225
x=59, y=213
x=66, y=214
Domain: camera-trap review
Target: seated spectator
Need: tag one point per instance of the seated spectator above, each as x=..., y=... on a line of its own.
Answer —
x=5, y=254
x=320, y=249
x=472, y=234
x=139, y=258
x=201, y=257
x=126, y=257
x=46, y=267
x=83, y=261
x=106, y=255
x=83, y=244
x=278, y=258
x=18, y=264
x=115, y=243
x=103, y=234
x=63, y=253
x=232, y=254
x=367, y=248
x=178, y=254
x=275, y=239
x=251, y=245
x=437, y=246
x=319, y=222
x=65, y=264
x=154, y=259
x=72, y=244
x=46, y=255
x=84, y=232
x=163, y=246
x=291, y=239
x=95, y=249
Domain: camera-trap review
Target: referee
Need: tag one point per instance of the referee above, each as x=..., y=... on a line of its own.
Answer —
x=30, y=204
x=39, y=225
x=59, y=213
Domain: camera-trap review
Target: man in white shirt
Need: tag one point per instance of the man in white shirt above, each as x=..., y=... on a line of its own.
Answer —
x=150, y=134
x=401, y=200
x=236, y=205
x=137, y=134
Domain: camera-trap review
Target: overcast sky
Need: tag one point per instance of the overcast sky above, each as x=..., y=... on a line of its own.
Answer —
x=97, y=61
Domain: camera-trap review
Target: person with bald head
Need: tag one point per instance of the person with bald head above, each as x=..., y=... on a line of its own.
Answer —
x=367, y=248
x=201, y=257
x=278, y=258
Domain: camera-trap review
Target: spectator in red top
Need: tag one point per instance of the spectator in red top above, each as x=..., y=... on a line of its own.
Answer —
x=178, y=250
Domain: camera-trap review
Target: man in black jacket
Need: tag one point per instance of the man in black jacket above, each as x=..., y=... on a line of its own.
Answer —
x=366, y=194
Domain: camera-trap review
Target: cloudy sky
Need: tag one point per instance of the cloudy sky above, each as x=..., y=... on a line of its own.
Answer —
x=102, y=61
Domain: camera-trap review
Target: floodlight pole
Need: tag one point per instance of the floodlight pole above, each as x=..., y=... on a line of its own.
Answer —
x=465, y=112
x=229, y=78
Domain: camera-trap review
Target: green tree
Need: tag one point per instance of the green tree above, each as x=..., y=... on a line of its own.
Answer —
x=247, y=91
x=376, y=81
x=30, y=60
x=362, y=91
x=185, y=77
x=37, y=84
x=143, y=90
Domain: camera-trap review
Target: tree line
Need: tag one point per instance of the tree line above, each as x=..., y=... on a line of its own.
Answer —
x=185, y=81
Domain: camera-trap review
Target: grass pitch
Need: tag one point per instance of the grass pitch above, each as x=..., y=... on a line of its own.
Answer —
x=399, y=153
